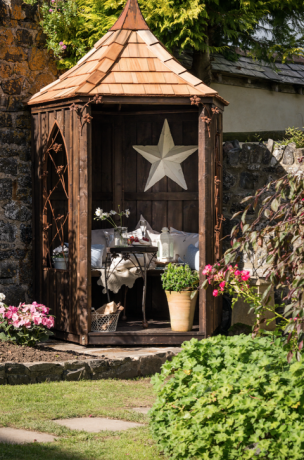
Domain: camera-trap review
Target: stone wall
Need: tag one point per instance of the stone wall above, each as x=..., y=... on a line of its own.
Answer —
x=25, y=67
x=93, y=369
x=248, y=167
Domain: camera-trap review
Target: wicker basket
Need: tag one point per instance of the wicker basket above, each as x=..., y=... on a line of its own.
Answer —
x=104, y=323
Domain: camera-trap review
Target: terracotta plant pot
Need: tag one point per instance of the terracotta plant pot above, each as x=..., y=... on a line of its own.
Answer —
x=181, y=308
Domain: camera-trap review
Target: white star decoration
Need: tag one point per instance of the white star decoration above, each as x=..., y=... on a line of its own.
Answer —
x=166, y=158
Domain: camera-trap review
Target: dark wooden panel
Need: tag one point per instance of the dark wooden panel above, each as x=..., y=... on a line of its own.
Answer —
x=162, y=196
x=75, y=226
x=36, y=190
x=159, y=215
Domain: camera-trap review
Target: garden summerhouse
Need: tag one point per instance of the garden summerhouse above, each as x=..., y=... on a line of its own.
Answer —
x=84, y=128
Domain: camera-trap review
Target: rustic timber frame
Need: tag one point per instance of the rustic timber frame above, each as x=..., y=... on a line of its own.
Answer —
x=68, y=293
x=84, y=127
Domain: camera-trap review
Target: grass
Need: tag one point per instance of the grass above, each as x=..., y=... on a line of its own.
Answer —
x=34, y=407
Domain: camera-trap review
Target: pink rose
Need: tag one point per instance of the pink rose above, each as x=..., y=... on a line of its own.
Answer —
x=222, y=285
x=237, y=273
x=215, y=293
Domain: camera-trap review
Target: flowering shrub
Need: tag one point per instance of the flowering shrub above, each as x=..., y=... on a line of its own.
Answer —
x=230, y=398
x=26, y=324
x=278, y=230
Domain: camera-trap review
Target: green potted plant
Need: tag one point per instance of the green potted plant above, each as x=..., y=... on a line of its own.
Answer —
x=181, y=286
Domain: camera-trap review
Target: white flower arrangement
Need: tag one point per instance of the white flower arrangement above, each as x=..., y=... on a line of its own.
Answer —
x=60, y=251
x=101, y=215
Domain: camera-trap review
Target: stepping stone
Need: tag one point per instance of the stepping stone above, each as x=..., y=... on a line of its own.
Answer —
x=14, y=436
x=96, y=424
x=142, y=410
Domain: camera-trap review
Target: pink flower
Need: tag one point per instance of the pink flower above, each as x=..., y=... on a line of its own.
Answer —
x=207, y=269
x=222, y=285
x=63, y=47
x=16, y=323
x=61, y=43
x=44, y=321
x=245, y=275
x=215, y=293
x=237, y=273
x=37, y=320
x=2, y=310
x=8, y=314
x=50, y=10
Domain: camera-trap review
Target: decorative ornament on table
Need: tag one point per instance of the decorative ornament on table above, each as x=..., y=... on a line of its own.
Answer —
x=166, y=158
x=120, y=232
x=165, y=246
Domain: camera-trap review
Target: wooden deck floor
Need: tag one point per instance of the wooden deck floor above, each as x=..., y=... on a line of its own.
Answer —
x=131, y=332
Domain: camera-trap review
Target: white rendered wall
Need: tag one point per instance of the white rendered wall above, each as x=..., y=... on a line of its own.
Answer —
x=253, y=110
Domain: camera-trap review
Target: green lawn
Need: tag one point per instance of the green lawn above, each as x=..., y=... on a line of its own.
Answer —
x=34, y=407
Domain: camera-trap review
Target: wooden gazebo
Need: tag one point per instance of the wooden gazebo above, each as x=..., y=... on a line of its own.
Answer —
x=84, y=127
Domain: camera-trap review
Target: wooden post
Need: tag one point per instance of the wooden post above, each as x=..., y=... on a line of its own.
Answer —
x=206, y=217
x=85, y=216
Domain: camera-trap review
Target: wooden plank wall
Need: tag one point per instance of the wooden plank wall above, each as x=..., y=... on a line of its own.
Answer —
x=59, y=289
x=165, y=204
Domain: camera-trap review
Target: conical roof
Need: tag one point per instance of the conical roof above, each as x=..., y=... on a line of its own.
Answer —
x=127, y=61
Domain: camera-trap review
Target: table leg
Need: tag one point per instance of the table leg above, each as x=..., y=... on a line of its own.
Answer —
x=145, y=324
x=106, y=278
x=124, y=316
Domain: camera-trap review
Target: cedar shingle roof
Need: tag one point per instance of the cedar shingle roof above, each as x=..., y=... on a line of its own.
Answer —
x=128, y=60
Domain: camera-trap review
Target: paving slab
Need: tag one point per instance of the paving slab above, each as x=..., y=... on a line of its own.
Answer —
x=108, y=352
x=142, y=410
x=96, y=424
x=15, y=436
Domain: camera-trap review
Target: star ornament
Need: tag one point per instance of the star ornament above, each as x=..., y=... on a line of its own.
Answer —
x=166, y=158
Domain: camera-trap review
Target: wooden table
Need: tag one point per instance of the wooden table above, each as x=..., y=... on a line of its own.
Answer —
x=125, y=253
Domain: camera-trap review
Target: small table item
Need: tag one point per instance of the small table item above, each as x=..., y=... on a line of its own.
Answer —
x=125, y=253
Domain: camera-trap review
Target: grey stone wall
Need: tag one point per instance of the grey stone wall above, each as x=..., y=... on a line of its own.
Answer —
x=248, y=167
x=93, y=369
x=25, y=67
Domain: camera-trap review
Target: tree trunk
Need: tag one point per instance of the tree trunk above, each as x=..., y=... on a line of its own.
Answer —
x=201, y=66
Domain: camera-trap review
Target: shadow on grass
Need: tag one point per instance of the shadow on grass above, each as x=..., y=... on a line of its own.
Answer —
x=36, y=451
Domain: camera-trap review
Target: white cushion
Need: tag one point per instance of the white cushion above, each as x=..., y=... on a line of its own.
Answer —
x=149, y=228
x=97, y=251
x=181, y=243
x=192, y=257
x=189, y=235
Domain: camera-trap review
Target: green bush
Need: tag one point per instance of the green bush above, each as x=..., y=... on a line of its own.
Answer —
x=179, y=278
x=230, y=398
x=295, y=135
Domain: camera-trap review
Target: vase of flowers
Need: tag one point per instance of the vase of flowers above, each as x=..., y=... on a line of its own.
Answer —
x=120, y=232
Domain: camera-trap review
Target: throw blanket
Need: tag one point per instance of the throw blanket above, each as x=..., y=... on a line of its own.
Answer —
x=123, y=274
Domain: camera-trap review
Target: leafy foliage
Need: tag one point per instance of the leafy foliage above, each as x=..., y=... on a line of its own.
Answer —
x=278, y=229
x=230, y=398
x=179, y=278
x=295, y=135
x=268, y=29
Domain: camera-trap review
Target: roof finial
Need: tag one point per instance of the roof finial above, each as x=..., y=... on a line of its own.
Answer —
x=131, y=18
